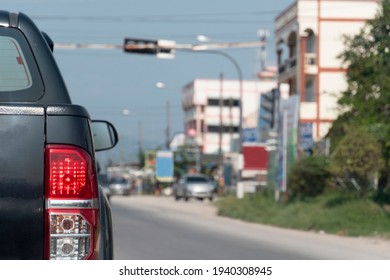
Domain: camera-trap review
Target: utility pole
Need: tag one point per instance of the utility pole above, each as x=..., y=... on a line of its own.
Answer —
x=220, y=154
x=168, y=129
x=139, y=137
x=220, y=113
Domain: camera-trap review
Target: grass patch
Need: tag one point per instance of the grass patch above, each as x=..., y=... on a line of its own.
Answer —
x=334, y=213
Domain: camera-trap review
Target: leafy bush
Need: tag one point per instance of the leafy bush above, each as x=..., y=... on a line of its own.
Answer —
x=358, y=158
x=309, y=177
x=382, y=198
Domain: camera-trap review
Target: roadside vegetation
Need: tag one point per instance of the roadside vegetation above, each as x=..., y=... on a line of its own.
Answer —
x=347, y=191
x=335, y=213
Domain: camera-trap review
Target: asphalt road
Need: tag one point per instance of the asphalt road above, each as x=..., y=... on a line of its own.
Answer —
x=159, y=228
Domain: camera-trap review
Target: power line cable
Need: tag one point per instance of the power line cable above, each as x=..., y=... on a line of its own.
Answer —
x=189, y=18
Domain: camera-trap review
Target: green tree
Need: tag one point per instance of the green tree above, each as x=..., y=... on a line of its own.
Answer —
x=358, y=158
x=366, y=101
x=183, y=160
x=367, y=56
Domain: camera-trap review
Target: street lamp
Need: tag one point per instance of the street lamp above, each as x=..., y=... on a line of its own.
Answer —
x=160, y=85
x=203, y=38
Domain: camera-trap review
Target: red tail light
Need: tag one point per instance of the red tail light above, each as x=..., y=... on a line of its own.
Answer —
x=71, y=203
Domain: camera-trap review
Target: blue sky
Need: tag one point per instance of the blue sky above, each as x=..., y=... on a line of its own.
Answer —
x=107, y=82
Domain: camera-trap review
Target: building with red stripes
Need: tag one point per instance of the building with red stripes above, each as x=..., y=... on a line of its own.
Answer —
x=309, y=38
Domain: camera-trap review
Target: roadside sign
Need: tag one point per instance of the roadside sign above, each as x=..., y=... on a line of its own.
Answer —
x=150, y=160
x=164, y=166
x=306, y=131
x=249, y=135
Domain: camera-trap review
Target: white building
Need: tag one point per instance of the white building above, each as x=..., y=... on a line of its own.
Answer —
x=215, y=124
x=309, y=37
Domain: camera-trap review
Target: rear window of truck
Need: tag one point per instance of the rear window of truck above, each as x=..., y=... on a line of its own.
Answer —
x=20, y=79
x=14, y=72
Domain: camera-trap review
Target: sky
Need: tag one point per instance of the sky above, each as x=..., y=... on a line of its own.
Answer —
x=111, y=82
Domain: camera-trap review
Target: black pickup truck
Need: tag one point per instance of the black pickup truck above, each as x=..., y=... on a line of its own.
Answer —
x=51, y=206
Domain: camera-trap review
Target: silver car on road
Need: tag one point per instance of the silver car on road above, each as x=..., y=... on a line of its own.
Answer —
x=119, y=186
x=194, y=186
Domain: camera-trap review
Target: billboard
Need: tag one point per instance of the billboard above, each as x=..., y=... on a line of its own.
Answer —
x=255, y=156
x=164, y=166
x=287, y=139
x=150, y=160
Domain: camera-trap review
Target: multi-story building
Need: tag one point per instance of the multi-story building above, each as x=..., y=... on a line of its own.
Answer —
x=212, y=112
x=309, y=39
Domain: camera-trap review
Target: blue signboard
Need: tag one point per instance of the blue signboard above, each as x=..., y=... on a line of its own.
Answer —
x=249, y=135
x=164, y=166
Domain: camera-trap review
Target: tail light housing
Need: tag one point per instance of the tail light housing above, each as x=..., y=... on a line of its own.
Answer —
x=71, y=204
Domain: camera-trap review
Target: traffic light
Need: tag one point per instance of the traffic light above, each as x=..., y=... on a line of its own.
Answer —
x=160, y=48
x=140, y=46
x=268, y=107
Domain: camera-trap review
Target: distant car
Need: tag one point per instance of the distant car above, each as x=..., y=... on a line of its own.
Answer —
x=119, y=186
x=194, y=186
x=103, y=183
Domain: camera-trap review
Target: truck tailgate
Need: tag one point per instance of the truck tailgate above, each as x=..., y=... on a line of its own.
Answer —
x=22, y=131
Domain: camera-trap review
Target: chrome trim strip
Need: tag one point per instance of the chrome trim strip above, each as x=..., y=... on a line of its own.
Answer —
x=60, y=235
x=72, y=204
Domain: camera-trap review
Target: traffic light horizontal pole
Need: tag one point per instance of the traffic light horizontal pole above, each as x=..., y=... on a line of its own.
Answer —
x=130, y=47
x=196, y=47
x=86, y=46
